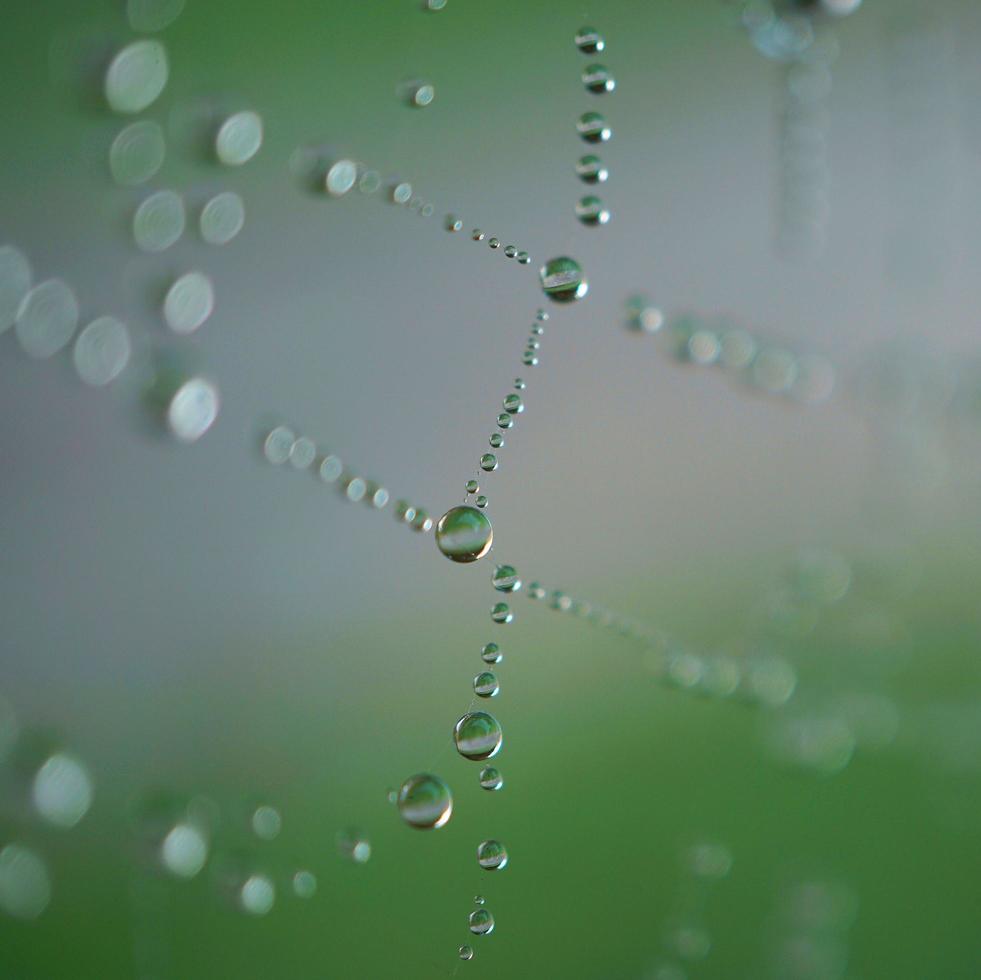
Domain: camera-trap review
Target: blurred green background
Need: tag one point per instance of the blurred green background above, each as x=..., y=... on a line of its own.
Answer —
x=192, y=622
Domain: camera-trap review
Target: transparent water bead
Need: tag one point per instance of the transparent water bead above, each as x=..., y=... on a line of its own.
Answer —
x=591, y=170
x=189, y=302
x=159, y=221
x=481, y=922
x=278, y=444
x=510, y=251
x=590, y=210
x=239, y=138
x=592, y=127
x=466, y=952
x=148, y=16
x=453, y=223
x=472, y=486
x=494, y=242
x=491, y=653
x=102, y=351
x=501, y=613
x=504, y=420
x=513, y=405
x=597, y=79
x=486, y=685
x=302, y=453
x=506, y=579
x=136, y=76
x=222, y=218
x=562, y=280
x=481, y=501
x=491, y=780
x=47, y=318
x=523, y=258
x=496, y=440
x=589, y=40
x=425, y=801
x=341, y=177
x=478, y=899
x=15, y=282
x=492, y=855
x=478, y=736
x=330, y=469
x=477, y=235
x=488, y=462
x=137, y=153
x=193, y=409
x=464, y=534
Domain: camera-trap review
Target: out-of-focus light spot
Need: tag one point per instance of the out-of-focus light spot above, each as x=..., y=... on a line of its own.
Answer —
x=15, y=281
x=189, y=302
x=102, y=351
x=193, y=409
x=257, y=895
x=222, y=218
x=136, y=76
x=341, y=177
x=47, y=318
x=304, y=884
x=238, y=138
x=302, y=453
x=266, y=822
x=62, y=791
x=137, y=153
x=278, y=444
x=159, y=221
x=147, y=16
x=184, y=850
x=25, y=888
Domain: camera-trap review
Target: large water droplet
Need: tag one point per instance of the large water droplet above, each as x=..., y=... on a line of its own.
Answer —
x=425, y=801
x=464, y=534
x=562, y=280
x=478, y=736
x=492, y=855
x=513, y=405
x=488, y=462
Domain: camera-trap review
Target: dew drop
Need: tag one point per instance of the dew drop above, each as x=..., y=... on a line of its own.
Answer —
x=590, y=210
x=472, y=486
x=510, y=251
x=589, y=40
x=536, y=591
x=519, y=384
x=239, y=138
x=505, y=579
x=102, y=351
x=193, y=409
x=492, y=855
x=422, y=522
x=523, y=258
x=341, y=177
x=425, y=801
x=562, y=280
x=481, y=922
x=496, y=440
x=485, y=685
x=491, y=654
x=478, y=736
x=159, y=221
x=494, y=243
x=47, y=318
x=492, y=780
x=513, y=405
x=504, y=420
x=488, y=462
x=598, y=79
x=592, y=127
x=331, y=469
x=136, y=76
x=501, y=613
x=453, y=223
x=478, y=899
x=466, y=952
x=590, y=169
x=529, y=359
x=463, y=534
x=189, y=302
x=481, y=501
x=222, y=218
x=137, y=153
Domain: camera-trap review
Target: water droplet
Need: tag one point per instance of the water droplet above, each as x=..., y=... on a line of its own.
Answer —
x=278, y=444
x=481, y=922
x=136, y=76
x=541, y=315
x=536, y=591
x=488, y=462
x=496, y=440
x=425, y=801
x=513, y=405
x=302, y=453
x=379, y=497
x=598, y=79
x=184, y=850
x=159, y=221
x=15, y=281
x=102, y=351
x=453, y=223
x=492, y=856
x=463, y=534
x=25, y=887
x=510, y=251
x=304, y=884
x=492, y=780
x=534, y=345
x=589, y=40
x=354, y=846
x=355, y=489
x=472, y=486
x=62, y=790
x=239, y=138
x=519, y=384
x=478, y=736
x=590, y=210
x=47, y=318
x=501, y=613
x=402, y=193
x=703, y=347
x=331, y=469
x=266, y=822
x=341, y=177
x=592, y=127
x=148, y=16
x=491, y=653
x=422, y=522
x=137, y=153
x=193, y=409
x=222, y=218
x=523, y=258
x=466, y=952
x=421, y=95
x=529, y=359
x=643, y=315
x=494, y=243
x=590, y=169
x=562, y=280
x=189, y=302
x=505, y=579
x=485, y=685
x=257, y=895
x=505, y=421
x=481, y=501
x=478, y=899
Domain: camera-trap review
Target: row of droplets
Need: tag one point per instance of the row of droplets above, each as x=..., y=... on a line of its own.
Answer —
x=592, y=128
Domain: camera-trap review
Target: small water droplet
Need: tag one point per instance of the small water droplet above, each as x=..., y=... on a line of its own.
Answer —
x=478, y=736
x=519, y=384
x=189, y=302
x=481, y=501
x=453, y=223
x=496, y=440
x=492, y=780
x=592, y=127
x=488, y=462
x=597, y=79
x=477, y=235
x=590, y=169
x=492, y=855
x=590, y=210
x=222, y=218
x=341, y=177
x=529, y=359
x=513, y=405
x=137, y=153
x=536, y=591
x=481, y=922
x=485, y=685
x=501, y=613
x=505, y=579
x=491, y=653
x=589, y=40
x=494, y=243
x=425, y=801
x=562, y=280
x=463, y=534
x=523, y=258
x=510, y=251
x=102, y=351
x=466, y=952
x=505, y=421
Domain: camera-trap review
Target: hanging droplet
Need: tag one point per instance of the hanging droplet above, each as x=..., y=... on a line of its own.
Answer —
x=529, y=359
x=501, y=613
x=136, y=76
x=541, y=315
x=592, y=127
x=589, y=40
x=505, y=579
x=478, y=736
x=481, y=501
x=523, y=258
x=425, y=801
x=466, y=952
x=492, y=855
x=590, y=210
x=496, y=440
x=341, y=177
x=472, y=486
x=239, y=138
x=137, y=153
x=402, y=193
x=510, y=251
x=494, y=243
x=481, y=922
x=463, y=534
x=562, y=280
x=491, y=653
x=477, y=235
x=490, y=779
x=453, y=223
x=597, y=79
x=488, y=462
x=513, y=405
x=504, y=421
x=519, y=384
x=590, y=170
x=486, y=685
x=422, y=522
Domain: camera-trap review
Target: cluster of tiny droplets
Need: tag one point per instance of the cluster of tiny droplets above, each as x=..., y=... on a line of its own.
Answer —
x=340, y=177
x=592, y=128
x=765, y=367
x=454, y=224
